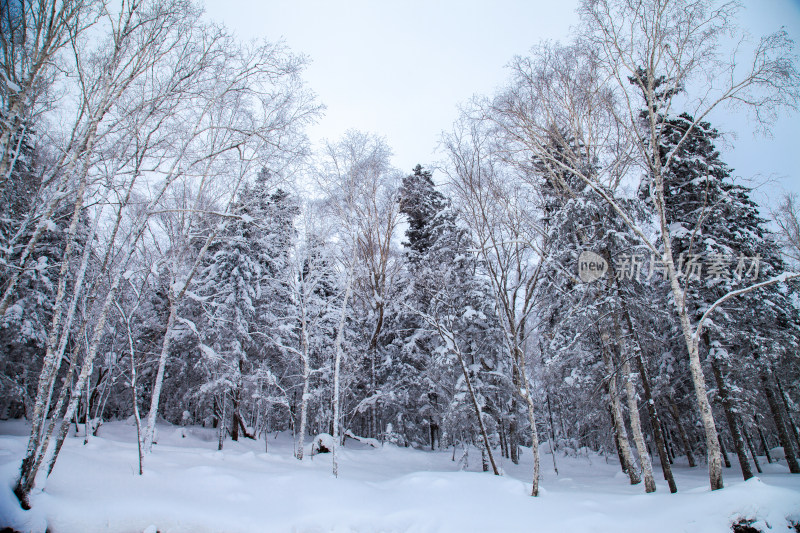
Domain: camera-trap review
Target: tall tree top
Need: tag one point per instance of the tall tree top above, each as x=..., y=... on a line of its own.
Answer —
x=421, y=203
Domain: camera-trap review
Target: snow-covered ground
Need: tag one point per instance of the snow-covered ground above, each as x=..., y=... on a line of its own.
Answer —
x=189, y=486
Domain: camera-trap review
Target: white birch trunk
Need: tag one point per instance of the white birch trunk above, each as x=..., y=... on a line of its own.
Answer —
x=695, y=365
x=636, y=428
x=336, y=368
x=301, y=441
x=162, y=364
x=222, y=420
x=525, y=391
x=534, y=439
x=619, y=421
x=304, y=355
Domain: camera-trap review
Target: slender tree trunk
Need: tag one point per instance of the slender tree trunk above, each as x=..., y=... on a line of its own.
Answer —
x=52, y=359
x=615, y=437
x=513, y=447
x=655, y=423
x=783, y=433
x=486, y=448
x=534, y=439
x=636, y=428
x=48, y=453
x=668, y=442
x=764, y=444
x=553, y=446
x=373, y=411
x=235, y=417
x=222, y=422
x=303, y=411
x=790, y=421
x=619, y=422
x=679, y=300
x=521, y=381
x=687, y=447
x=633, y=410
x=722, y=451
x=136, y=416
x=86, y=419
x=727, y=406
x=484, y=462
x=336, y=369
x=448, y=337
x=750, y=446
x=502, y=433
x=162, y=365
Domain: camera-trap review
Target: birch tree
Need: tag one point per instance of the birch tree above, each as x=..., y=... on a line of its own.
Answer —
x=496, y=208
x=167, y=97
x=361, y=189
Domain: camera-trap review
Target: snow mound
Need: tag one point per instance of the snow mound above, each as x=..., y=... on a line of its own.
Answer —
x=322, y=443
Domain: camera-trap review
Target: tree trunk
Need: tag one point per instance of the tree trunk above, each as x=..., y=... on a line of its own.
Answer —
x=730, y=415
x=484, y=462
x=235, y=416
x=553, y=446
x=521, y=381
x=534, y=440
x=222, y=421
x=651, y=410
x=615, y=437
x=692, y=343
x=723, y=452
x=47, y=453
x=513, y=447
x=687, y=447
x=486, y=448
x=655, y=424
x=792, y=426
x=750, y=446
x=303, y=412
x=336, y=369
x=55, y=345
x=162, y=365
x=764, y=444
x=783, y=434
x=503, y=441
x=619, y=423
x=668, y=442
x=636, y=427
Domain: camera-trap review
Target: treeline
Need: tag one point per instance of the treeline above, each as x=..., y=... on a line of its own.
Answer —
x=586, y=272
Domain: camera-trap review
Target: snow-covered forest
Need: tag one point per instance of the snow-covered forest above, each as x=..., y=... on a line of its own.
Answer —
x=577, y=283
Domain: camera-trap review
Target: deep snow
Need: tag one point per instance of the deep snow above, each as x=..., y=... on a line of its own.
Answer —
x=189, y=486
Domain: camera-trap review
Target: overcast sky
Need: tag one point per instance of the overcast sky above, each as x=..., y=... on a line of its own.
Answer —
x=400, y=68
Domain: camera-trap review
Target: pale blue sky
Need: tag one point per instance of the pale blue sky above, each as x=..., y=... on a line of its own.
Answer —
x=400, y=68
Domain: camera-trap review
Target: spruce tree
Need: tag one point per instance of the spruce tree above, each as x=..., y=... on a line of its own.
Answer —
x=722, y=244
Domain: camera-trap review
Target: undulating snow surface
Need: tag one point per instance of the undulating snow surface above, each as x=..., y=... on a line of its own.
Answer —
x=189, y=486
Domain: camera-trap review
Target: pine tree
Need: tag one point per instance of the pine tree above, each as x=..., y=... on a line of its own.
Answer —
x=447, y=323
x=246, y=297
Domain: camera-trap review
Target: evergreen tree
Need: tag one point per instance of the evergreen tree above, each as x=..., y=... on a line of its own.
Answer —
x=244, y=288
x=723, y=245
x=449, y=363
